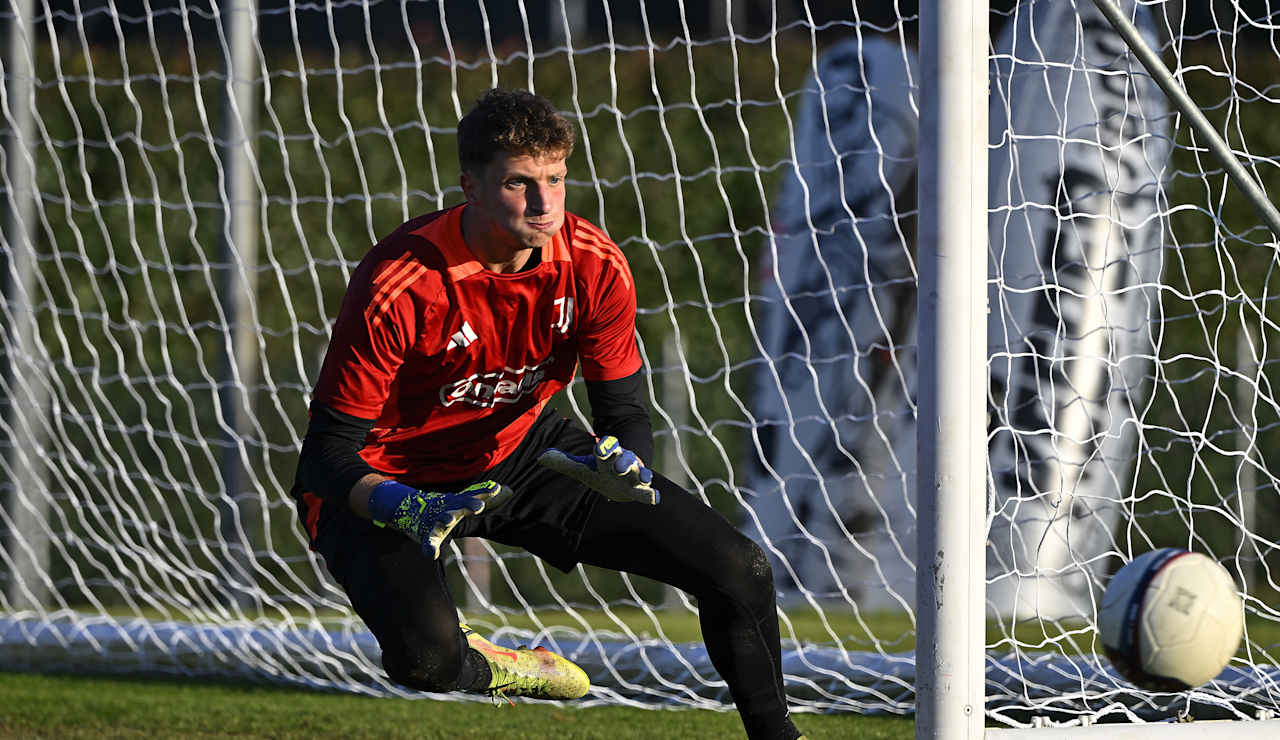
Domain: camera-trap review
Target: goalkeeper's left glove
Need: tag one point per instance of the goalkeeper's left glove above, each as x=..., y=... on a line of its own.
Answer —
x=613, y=470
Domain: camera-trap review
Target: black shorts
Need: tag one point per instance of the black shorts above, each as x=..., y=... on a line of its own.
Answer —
x=545, y=516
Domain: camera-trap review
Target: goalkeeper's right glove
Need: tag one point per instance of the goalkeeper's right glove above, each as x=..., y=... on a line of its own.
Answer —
x=428, y=517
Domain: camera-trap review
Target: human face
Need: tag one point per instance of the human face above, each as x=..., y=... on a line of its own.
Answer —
x=516, y=202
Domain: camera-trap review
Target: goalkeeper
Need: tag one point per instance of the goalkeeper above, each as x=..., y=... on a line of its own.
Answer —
x=429, y=420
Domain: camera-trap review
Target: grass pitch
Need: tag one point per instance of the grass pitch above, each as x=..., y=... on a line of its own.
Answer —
x=61, y=706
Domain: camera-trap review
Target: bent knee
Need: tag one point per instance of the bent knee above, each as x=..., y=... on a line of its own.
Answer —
x=759, y=573
x=749, y=579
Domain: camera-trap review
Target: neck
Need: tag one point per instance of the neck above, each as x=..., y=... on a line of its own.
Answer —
x=512, y=265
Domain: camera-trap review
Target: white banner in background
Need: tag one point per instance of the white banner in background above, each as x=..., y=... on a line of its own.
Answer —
x=842, y=281
x=1075, y=258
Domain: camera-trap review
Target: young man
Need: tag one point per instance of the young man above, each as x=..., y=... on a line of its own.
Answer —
x=430, y=420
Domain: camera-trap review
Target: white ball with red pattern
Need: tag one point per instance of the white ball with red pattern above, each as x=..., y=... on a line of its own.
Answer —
x=1171, y=619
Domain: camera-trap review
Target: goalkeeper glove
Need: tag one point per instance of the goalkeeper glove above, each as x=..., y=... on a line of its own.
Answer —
x=428, y=517
x=613, y=470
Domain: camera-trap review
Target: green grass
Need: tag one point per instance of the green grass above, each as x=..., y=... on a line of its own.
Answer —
x=890, y=632
x=59, y=706
x=893, y=632
x=64, y=706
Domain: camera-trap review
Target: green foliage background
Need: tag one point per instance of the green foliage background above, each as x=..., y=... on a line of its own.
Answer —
x=683, y=148
x=680, y=151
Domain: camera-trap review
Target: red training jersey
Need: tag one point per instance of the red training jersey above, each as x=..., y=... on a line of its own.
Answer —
x=454, y=361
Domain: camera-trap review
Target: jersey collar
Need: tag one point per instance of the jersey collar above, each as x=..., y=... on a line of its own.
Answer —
x=445, y=233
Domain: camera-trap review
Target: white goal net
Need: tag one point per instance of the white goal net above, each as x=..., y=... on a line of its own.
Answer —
x=188, y=185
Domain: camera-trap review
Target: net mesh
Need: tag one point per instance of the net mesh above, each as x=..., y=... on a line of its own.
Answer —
x=188, y=186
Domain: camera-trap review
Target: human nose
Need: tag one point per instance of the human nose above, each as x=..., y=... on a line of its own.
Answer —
x=536, y=199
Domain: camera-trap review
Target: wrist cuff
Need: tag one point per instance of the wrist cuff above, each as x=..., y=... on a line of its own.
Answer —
x=385, y=499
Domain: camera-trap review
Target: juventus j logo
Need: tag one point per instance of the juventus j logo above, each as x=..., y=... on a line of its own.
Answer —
x=565, y=306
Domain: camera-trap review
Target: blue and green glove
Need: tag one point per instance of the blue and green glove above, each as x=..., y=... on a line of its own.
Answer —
x=612, y=470
x=428, y=517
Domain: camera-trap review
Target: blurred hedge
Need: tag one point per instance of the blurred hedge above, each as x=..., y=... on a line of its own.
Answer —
x=682, y=150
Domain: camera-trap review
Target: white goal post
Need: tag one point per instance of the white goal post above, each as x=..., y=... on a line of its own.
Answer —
x=952, y=448
x=951, y=440
x=1082, y=332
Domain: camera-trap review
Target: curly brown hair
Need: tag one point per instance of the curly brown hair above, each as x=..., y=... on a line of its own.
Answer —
x=515, y=122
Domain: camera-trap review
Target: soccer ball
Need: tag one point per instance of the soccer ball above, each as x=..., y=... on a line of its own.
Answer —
x=1170, y=619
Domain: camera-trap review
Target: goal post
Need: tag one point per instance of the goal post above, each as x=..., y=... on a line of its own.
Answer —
x=952, y=458
x=1082, y=334
x=23, y=401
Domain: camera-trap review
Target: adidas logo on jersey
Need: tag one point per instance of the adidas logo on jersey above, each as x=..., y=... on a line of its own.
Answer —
x=462, y=337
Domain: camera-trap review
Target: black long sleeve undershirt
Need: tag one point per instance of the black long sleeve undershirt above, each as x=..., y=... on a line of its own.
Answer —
x=619, y=407
x=330, y=463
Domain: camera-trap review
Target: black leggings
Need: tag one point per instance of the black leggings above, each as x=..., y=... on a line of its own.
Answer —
x=404, y=599
x=685, y=543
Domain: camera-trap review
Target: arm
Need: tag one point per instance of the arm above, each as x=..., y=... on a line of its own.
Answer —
x=375, y=327
x=331, y=466
x=330, y=463
x=619, y=408
x=621, y=420
x=611, y=364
